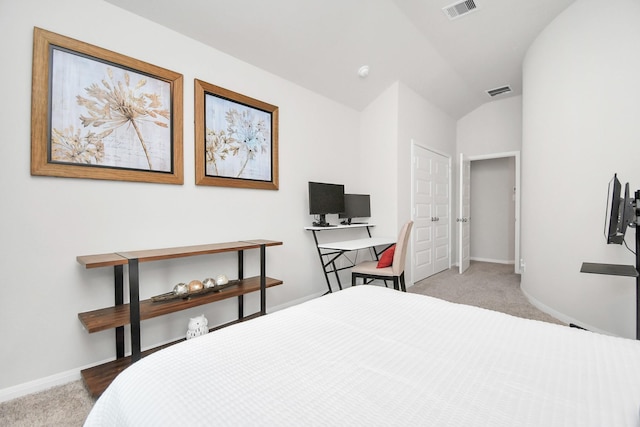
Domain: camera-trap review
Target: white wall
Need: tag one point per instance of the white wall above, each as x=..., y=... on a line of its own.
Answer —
x=47, y=222
x=580, y=125
x=493, y=210
x=494, y=127
x=378, y=156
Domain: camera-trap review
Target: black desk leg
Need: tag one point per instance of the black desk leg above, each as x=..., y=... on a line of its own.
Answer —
x=324, y=269
x=335, y=271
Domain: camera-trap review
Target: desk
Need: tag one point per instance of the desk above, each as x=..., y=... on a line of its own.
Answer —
x=330, y=252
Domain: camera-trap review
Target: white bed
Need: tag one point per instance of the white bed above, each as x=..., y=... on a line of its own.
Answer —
x=371, y=356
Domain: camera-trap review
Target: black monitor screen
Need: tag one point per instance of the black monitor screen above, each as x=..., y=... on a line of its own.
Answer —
x=356, y=206
x=613, y=209
x=325, y=198
x=620, y=212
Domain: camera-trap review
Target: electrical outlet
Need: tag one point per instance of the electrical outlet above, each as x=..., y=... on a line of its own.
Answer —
x=522, y=265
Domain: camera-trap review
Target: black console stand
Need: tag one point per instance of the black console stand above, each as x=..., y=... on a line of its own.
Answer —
x=623, y=270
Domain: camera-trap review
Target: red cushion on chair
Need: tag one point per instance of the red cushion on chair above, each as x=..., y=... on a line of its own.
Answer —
x=387, y=257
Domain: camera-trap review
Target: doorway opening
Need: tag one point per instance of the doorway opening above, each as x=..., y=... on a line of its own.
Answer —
x=497, y=201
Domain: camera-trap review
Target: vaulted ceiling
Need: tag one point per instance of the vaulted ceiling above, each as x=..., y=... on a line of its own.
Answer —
x=321, y=44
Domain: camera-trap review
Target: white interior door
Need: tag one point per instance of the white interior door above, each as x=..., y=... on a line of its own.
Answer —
x=464, y=217
x=431, y=212
x=442, y=219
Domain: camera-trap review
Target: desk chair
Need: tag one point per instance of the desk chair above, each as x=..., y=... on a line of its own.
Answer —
x=369, y=272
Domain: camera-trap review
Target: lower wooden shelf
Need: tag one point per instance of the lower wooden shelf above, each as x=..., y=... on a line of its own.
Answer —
x=97, y=378
x=112, y=317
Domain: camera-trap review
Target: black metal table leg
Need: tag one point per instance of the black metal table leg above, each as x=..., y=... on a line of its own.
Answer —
x=118, y=272
x=324, y=269
x=134, y=309
x=240, y=277
x=263, y=280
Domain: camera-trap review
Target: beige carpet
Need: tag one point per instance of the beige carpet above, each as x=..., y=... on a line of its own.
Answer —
x=492, y=286
x=487, y=285
x=62, y=406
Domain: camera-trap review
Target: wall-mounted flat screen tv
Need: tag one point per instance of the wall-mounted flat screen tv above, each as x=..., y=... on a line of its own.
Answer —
x=620, y=212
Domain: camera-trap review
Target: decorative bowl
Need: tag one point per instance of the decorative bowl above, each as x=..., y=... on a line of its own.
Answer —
x=195, y=286
x=209, y=282
x=181, y=289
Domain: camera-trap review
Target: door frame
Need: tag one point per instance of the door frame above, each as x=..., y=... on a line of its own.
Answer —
x=414, y=144
x=516, y=155
x=464, y=215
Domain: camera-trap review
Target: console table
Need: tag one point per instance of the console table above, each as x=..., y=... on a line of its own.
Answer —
x=330, y=252
x=120, y=314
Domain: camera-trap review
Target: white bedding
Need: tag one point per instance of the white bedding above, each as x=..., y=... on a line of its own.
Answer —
x=372, y=356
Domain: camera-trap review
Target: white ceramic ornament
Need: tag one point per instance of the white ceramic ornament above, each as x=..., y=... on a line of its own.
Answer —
x=181, y=289
x=197, y=326
x=209, y=282
x=222, y=280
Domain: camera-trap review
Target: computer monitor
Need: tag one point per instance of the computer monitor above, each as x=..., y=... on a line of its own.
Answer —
x=356, y=206
x=325, y=199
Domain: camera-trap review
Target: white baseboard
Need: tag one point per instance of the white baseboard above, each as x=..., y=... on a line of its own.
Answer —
x=39, y=385
x=561, y=316
x=295, y=302
x=494, y=261
x=66, y=377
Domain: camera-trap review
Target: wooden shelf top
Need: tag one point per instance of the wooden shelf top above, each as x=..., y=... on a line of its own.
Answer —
x=101, y=260
x=115, y=316
x=121, y=258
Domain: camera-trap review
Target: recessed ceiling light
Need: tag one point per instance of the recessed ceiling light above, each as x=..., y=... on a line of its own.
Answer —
x=363, y=71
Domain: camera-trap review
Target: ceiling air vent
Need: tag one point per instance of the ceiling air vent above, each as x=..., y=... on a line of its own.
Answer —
x=459, y=9
x=499, y=90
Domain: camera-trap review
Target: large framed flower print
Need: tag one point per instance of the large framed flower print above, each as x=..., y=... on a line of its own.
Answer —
x=102, y=115
x=236, y=139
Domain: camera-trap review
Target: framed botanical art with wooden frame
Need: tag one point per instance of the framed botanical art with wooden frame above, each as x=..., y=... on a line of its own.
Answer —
x=101, y=115
x=236, y=139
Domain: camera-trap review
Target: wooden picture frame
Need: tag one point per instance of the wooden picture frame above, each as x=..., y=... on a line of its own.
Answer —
x=101, y=115
x=236, y=139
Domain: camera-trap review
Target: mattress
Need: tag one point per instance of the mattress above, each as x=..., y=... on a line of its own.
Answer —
x=373, y=356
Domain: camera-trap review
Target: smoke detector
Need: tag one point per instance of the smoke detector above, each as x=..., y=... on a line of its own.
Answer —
x=363, y=71
x=458, y=9
x=499, y=90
